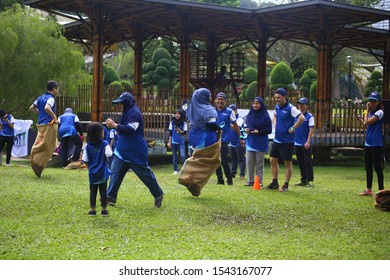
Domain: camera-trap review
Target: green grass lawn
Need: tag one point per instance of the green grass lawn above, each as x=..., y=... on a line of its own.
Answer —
x=46, y=219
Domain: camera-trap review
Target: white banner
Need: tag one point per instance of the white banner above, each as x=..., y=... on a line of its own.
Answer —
x=20, y=148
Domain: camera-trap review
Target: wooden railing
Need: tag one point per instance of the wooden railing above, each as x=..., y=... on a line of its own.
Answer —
x=340, y=128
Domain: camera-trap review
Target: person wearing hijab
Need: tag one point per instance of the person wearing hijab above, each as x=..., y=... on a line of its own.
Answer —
x=257, y=126
x=177, y=131
x=131, y=151
x=7, y=135
x=69, y=131
x=203, y=120
x=204, y=139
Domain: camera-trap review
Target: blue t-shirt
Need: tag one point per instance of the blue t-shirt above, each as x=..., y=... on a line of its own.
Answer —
x=67, y=123
x=6, y=129
x=40, y=103
x=285, y=117
x=234, y=138
x=97, y=162
x=225, y=118
x=177, y=138
x=374, y=131
x=302, y=132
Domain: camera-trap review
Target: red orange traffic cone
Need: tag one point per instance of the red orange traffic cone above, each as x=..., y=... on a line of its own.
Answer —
x=256, y=184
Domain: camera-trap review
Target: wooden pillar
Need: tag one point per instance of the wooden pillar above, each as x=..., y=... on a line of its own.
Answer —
x=262, y=67
x=184, y=77
x=97, y=84
x=211, y=59
x=138, y=49
x=386, y=72
x=323, y=96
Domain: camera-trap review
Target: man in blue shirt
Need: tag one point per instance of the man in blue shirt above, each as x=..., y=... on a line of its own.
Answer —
x=283, y=145
x=226, y=118
x=69, y=132
x=237, y=146
x=303, y=142
x=131, y=151
x=47, y=125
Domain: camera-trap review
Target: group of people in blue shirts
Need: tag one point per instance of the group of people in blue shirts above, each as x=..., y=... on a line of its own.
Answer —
x=244, y=141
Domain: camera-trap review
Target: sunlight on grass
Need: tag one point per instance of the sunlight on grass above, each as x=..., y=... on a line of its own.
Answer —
x=46, y=218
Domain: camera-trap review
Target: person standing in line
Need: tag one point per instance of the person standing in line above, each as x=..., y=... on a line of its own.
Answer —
x=258, y=125
x=373, y=146
x=226, y=118
x=47, y=125
x=7, y=135
x=177, y=131
x=131, y=151
x=283, y=145
x=303, y=144
x=95, y=155
x=237, y=146
x=69, y=131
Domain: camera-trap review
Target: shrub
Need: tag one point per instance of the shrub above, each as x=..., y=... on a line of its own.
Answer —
x=110, y=75
x=281, y=76
x=250, y=75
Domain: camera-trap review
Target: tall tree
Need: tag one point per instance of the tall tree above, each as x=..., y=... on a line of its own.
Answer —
x=33, y=51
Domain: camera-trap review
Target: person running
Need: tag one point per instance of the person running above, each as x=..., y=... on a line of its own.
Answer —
x=132, y=156
x=373, y=146
x=303, y=143
x=95, y=155
x=283, y=145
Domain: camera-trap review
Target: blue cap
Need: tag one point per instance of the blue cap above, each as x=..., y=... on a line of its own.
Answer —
x=303, y=100
x=233, y=106
x=221, y=94
x=281, y=91
x=374, y=96
x=123, y=97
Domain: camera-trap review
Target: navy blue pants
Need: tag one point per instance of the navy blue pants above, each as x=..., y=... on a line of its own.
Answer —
x=119, y=168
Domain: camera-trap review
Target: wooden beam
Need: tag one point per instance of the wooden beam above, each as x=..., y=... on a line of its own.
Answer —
x=138, y=49
x=386, y=71
x=97, y=84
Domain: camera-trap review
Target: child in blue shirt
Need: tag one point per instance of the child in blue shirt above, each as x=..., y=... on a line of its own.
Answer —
x=95, y=155
x=177, y=131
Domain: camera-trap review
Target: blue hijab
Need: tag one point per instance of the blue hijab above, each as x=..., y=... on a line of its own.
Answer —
x=200, y=110
x=259, y=119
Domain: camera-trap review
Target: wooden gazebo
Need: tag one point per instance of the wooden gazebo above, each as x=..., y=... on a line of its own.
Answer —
x=325, y=25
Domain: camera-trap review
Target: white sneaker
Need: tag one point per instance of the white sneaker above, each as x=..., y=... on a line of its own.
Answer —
x=8, y=164
x=175, y=172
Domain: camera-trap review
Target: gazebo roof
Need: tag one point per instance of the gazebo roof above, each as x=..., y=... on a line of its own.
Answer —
x=309, y=21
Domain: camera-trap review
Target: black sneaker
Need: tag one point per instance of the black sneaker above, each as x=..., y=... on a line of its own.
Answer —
x=272, y=187
x=158, y=201
x=221, y=183
x=249, y=184
x=111, y=201
x=104, y=213
x=230, y=183
x=92, y=213
x=301, y=184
